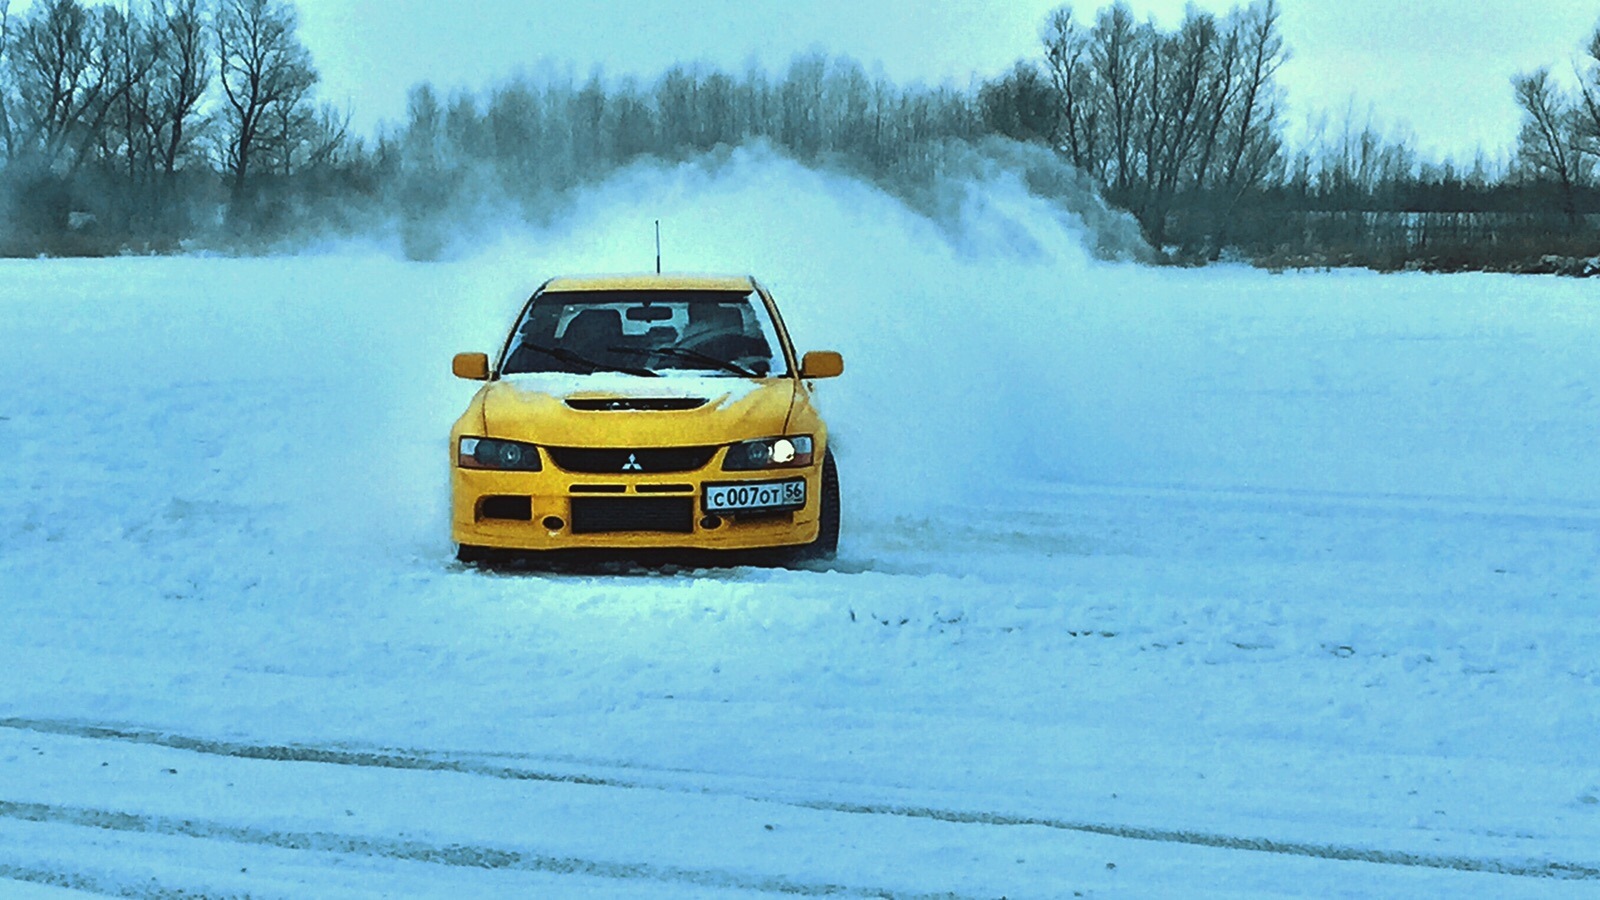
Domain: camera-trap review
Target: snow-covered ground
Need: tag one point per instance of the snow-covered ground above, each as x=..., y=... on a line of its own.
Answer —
x=1154, y=583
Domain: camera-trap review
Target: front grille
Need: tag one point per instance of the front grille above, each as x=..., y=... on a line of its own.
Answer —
x=641, y=404
x=608, y=515
x=642, y=462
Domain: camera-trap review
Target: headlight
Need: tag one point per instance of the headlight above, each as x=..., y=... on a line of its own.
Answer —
x=487, y=453
x=769, y=453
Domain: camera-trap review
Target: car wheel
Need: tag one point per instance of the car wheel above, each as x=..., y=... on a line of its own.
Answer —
x=826, y=546
x=470, y=555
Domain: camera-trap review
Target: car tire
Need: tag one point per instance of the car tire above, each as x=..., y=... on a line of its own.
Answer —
x=826, y=546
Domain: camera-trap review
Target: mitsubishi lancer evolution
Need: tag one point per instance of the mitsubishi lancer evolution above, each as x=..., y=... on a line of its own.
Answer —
x=645, y=412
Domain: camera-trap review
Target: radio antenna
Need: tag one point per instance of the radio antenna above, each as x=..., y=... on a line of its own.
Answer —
x=658, y=246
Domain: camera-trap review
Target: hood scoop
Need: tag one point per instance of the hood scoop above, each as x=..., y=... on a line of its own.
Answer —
x=636, y=404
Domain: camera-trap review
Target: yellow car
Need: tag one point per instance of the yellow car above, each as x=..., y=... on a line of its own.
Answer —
x=645, y=412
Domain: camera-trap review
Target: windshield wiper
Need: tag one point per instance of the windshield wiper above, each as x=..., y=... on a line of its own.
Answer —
x=691, y=356
x=570, y=358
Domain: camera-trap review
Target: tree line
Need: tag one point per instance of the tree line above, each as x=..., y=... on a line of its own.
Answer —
x=1185, y=128
x=140, y=125
x=529, y=141
x=1186, y=121
x=173, y=123
x=1560, y=137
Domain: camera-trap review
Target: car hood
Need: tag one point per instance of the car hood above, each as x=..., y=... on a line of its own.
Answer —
x=619, y=410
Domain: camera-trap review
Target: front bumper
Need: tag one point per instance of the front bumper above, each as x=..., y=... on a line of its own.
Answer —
x=554, y=509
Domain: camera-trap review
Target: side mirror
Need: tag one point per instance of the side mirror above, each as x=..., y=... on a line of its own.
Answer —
x=471, y=366
x=821, y=364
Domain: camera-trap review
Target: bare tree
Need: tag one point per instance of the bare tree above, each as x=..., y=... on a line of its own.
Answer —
x=1254, y=143
x=849, y=116
x=266, y=77
x=1548, y=143
x=1179, y=66
x=800, y=105
x=128, y=51
x=74, y=66
x=327, y=138
x=1069, y=57
x=632, y=121
x=1116, y=64
x=7, y=144
x=1217, y=98
x=1154, y=115
x=590, y=143
x=717, y=122
x=516, y=124
x=179, y=79
x=57, y=85
x=1587, y=114
x=1251, y=141
x=1192, y=96
x=676, y=98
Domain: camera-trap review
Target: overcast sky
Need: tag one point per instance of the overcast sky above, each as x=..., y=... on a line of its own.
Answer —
x=1442, y=67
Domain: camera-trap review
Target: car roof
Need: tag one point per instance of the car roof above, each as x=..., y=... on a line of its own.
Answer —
x=651, y=282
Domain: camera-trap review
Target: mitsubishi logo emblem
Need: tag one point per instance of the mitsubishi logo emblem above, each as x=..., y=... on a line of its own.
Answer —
x=632, y=465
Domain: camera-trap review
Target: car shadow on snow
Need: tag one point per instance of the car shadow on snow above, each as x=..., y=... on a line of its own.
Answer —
x=648, y=562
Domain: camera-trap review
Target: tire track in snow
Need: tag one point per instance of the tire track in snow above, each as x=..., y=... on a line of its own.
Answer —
x=456, y=855
x=94, y=884
x=421, y=761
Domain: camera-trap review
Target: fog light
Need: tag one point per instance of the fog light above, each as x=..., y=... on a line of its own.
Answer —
x=711, y=522
x=554, y=523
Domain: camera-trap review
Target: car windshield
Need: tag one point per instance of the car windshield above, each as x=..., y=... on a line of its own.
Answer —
x=646, y=333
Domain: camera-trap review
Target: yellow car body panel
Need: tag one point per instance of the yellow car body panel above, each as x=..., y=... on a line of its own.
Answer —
x=534, y=409
x=565, y=413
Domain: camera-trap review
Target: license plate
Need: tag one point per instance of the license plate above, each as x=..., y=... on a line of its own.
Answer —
x=748, y=496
